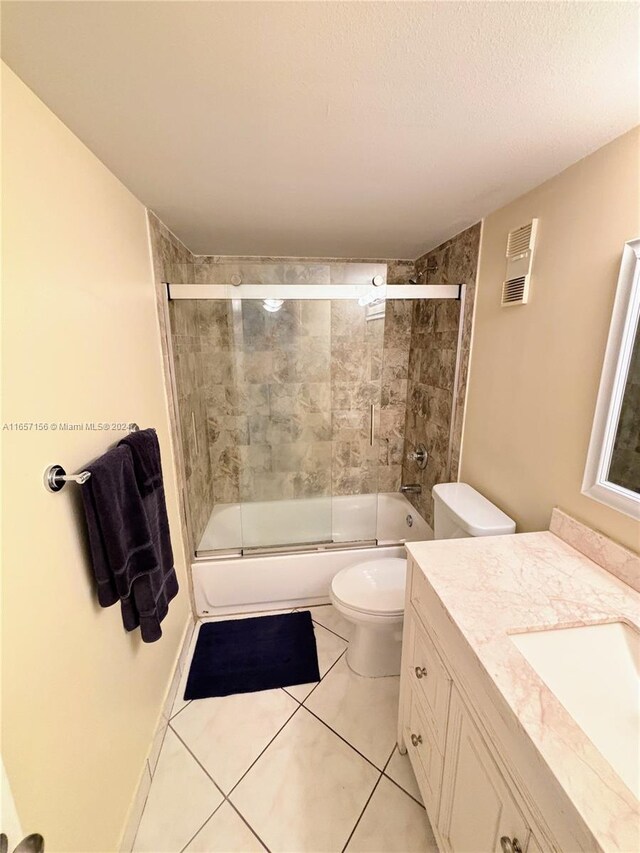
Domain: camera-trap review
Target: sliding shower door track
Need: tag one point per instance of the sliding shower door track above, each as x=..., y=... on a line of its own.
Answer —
x=304, y=548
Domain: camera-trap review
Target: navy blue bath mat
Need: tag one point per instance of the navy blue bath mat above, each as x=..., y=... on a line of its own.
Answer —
x=245, y=655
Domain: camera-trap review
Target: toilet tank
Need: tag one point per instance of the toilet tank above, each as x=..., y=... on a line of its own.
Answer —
x=460, y=511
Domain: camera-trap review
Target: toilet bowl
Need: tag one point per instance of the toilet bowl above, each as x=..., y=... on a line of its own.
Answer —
x=370, y=595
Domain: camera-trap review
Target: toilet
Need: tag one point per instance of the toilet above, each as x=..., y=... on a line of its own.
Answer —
x=370, y=594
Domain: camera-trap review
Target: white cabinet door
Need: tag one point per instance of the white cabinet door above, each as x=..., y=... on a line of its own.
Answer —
x=476, y=808
x=424, y=754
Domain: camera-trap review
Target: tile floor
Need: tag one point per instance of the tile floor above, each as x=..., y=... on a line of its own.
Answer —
x=307, y=768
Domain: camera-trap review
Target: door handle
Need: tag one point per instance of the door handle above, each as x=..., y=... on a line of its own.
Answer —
x=372, y=428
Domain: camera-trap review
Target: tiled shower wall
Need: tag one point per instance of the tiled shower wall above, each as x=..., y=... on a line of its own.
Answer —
x=436, y=395
x=287, y=418
x=288, y=395
x=172, y=261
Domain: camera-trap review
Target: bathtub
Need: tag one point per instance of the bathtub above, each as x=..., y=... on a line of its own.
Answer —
x=247, y=583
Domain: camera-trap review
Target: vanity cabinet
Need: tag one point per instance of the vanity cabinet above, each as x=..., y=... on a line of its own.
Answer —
x=477, y=809
x=471, y=803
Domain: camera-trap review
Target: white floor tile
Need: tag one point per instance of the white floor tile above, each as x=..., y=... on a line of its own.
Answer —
x=327, y=615
x=364, y=711
x=306, y=790
x=227, y=733
x=180, y=800
x=392, y=823
x=329, y=648
x=400, y=770
x=225, y=832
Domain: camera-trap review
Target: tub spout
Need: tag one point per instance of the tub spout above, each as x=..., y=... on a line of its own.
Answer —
x=412, y=489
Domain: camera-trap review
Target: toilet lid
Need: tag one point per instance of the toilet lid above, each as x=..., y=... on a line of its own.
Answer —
x=373, y=586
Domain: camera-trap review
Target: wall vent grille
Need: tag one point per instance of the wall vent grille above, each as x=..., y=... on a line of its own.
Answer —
x=514, y=291
x=520, y=246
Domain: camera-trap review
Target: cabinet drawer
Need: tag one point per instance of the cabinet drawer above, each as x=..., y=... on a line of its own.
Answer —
x=424, y=754
x=429, y=678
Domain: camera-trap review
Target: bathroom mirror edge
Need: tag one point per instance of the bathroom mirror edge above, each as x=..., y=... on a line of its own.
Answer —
x=618, y=354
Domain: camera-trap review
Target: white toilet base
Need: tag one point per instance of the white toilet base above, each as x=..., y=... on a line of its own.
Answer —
x=374, y=654
x=375, y=649
x=376, y=646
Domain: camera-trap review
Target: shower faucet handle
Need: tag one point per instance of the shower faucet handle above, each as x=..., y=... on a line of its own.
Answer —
x=419, y=456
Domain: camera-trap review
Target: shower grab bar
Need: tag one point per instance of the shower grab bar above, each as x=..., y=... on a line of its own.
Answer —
x=55, y=477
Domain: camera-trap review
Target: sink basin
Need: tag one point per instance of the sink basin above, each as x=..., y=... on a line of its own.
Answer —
x=594, y=671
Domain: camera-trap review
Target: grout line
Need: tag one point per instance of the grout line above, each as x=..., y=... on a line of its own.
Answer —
x=300, y=705
x=315, y=621
x=181, y=710
x=386, y=764
x=291, y=694
x=330, y=630
x=287, y=721
x=398, y=785
x=243, y=818
x=342, y=738
x=198, y=762
x=203, y=826
x=362, y=813
x=318, y=683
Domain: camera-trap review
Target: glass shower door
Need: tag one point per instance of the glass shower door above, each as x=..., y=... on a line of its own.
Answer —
x=310, y=374
x=357, y=337
x=279, y=402
x=283, y=357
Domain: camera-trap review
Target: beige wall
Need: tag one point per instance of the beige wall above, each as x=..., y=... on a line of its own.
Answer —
x=80, y=343
x=535, y=369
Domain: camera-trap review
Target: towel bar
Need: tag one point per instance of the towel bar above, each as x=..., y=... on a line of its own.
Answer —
x=55, y=477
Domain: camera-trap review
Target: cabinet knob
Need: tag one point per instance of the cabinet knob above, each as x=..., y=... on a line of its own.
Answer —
x=416, y=739
x=510, y=845
x=421, y=671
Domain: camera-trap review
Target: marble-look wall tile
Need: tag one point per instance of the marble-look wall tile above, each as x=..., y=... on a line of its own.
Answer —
x=436, y=393
x=400, y=271
x=172, y=261
x=282, y=400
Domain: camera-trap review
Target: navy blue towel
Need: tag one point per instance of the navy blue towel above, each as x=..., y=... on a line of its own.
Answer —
x=245, y=655
x=128, y=530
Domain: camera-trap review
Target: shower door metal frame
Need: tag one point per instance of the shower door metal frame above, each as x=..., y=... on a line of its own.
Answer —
x=314, y=291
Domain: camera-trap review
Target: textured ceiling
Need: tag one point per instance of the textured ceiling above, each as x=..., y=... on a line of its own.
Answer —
x=350, y=129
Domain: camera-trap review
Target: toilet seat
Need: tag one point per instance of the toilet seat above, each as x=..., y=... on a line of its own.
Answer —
x=372, y=587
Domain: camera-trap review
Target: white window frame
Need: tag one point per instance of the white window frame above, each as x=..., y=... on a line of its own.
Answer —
x=622, y=333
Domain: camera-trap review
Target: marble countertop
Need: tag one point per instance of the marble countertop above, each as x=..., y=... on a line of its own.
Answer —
x=496, y=586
